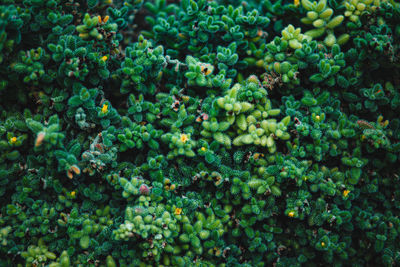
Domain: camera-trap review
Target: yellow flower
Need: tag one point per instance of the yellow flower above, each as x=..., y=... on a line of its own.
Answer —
x=258, y=155
x=317, y=117
x=13, y=140
x=73, y=193
x=206, y=69
x=184, y=138
x=178, y=211
x=181, y=35
x=104, y=58
x=346, y=192
x=104, y=109
x=296, y=2
x=291, y=214
x=203, y=148
x=322, y=244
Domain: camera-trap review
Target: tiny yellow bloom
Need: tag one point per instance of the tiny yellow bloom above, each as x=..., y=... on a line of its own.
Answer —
x=73, y=193
x=258, y=155
x=184, y=138
x=291, y=214
x=203, y=148
x=13, y=140
x=104, y=58
x=205, y=69
x=106, y=19
x=99, y=19
x=296, y=2
x=317, y=117
x=322, y=244
x=178, y=211
x=181, y=35
x=104, y=109
x=346, y=192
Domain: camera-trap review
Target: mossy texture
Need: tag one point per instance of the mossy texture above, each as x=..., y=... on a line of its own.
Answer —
x=199, y=133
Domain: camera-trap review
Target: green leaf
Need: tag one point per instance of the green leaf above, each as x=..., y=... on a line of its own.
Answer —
x=316, y=78
x=355, y=174
x=201, y=80
x=35, y=126
x=84, y=241
x=75, y=101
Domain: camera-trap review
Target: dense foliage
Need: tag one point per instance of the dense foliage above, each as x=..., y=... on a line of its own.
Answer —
x=199, y=133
